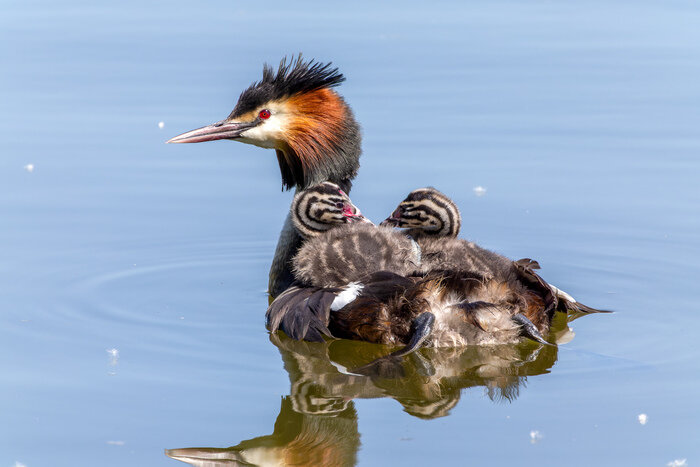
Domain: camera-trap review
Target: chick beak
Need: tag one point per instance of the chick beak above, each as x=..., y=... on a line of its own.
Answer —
x=394, y=220
x=354, y=215
x=361, y=218
x=219, y=130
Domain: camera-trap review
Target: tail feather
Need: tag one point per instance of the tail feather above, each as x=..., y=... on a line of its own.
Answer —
x=562, y=301
x=577, y=307
x=569, y=304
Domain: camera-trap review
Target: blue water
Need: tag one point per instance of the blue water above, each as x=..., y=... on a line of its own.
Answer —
x=581, y=121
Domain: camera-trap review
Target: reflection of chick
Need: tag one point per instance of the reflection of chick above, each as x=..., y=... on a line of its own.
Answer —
x=297, y=439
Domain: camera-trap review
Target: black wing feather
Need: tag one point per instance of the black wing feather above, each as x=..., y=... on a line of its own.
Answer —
x=302, y=313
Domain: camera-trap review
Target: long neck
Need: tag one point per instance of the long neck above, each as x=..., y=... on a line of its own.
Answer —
x=289, y=242
x=320, y=149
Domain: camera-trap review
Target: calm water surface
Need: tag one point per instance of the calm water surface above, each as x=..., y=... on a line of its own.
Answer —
x=133, y=274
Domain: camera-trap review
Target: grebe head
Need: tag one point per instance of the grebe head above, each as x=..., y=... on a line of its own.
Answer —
x=296, y=112
x=321, y=208
x=428, y=212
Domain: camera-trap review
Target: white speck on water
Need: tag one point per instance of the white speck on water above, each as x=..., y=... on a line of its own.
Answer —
x=19, y=464
x=642, y=417
x=182, y=317
x=161, y=125
x=535, y=436
x=113, y=356
x=116, y=443
x=678, y=463
x=479, y=190
x=29, y=168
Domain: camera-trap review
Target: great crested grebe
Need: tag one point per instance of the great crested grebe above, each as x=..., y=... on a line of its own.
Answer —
x=333, y=256
x=296, y=112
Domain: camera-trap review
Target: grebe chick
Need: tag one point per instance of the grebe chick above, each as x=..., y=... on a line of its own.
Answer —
x=433, y=219
x=340, y=244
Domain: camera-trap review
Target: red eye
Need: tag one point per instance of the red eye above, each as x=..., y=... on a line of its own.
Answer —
x=264, y=114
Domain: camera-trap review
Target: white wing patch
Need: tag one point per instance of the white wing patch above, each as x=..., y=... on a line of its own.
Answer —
x=350, y=293
x=561, y=294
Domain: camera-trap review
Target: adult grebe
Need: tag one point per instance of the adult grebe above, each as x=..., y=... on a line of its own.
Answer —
x=296, y=112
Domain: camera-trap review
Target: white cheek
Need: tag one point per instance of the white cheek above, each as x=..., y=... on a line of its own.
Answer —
x=267, y=134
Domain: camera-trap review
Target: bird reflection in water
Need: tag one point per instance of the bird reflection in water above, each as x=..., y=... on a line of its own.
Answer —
x=317, y=423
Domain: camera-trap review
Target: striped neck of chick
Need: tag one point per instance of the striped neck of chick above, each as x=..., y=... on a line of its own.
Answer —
x=321, y=208
x=426, y=212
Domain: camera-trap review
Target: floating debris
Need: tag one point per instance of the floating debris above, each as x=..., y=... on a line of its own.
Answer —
x=642, y=417
x=678, y=463
x=535, y=436
x=161, y=125
x=116, y=443
x=113, y=356
x=29, y=168
x=479, y=190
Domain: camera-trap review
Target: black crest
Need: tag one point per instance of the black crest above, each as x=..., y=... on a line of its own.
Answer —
x=293, y=77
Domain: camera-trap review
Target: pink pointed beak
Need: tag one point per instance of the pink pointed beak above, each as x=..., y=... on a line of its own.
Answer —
x=355, y=216
x=219, y=130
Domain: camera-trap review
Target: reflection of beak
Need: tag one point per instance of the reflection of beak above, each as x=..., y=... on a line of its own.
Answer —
x=394, y=220
x=220, y=130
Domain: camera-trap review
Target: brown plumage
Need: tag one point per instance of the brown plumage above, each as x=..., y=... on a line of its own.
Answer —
x=434, y=221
